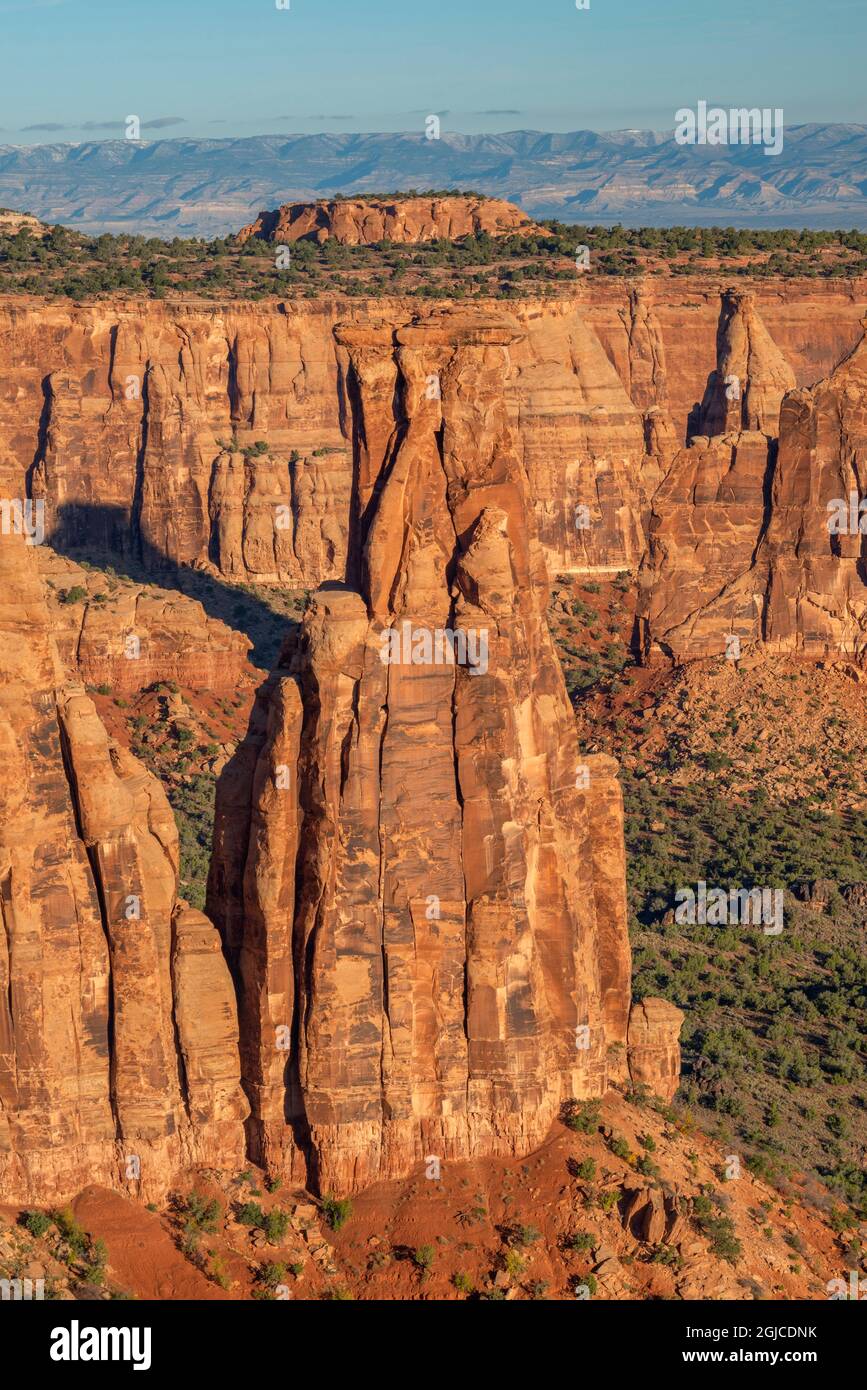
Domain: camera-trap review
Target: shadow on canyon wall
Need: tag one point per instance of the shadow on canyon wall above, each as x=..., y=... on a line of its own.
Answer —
x=100, y=535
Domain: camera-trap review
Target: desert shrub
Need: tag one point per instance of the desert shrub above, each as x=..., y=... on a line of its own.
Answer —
x=581, y=1116
x=36, y=1222
x=251, y=1214
x=275, y=1225
x=337, y=1211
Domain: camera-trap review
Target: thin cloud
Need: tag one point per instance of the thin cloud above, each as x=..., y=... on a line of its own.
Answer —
x=159, y=123
x=320, y=117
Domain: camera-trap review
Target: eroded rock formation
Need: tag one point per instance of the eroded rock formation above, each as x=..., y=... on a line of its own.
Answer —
x=223, y=439
x=129, y=636
x=419, y=879
x=654, y=1046
x=118, y=1028
x=221, y=436
x=365, y=221
x=759, y=539
x=417, y=876
x=746, y=389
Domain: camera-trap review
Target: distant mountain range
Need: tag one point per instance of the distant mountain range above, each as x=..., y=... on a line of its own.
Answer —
x=211, y=187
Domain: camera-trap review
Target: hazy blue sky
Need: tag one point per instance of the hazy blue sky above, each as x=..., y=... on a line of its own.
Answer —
x=74, y=69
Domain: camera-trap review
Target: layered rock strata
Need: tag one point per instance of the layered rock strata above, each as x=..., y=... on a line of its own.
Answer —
x=759, y=539
x=419, y=879
x=366, y=221
x=654, y=1046
x=118, y=1026
x=129, y=636
x=220, y=436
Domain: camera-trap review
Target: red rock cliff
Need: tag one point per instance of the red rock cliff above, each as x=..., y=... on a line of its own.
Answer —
x=366, y=221
x=118, y=1027
x=419, y=879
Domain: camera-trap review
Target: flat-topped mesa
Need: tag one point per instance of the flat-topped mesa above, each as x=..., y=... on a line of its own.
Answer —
x=419, y=877
x=118, y=1032
x=408, y=220
x=751, y=377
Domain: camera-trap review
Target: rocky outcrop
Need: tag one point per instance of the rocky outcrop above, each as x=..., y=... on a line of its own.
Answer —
x=757, y=540
x=182, y=437
x=128, y=636
x=704, y=529
x=814, y=552
x=366, y=221
x=654, y=1046
x=583, y=445
x=647, y=375
x=751, y=377
x=652, y=1215
x=419, y=880
x=223, y=440
x=118, y=1030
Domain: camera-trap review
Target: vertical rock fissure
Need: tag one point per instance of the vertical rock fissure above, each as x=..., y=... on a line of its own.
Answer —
x=137, y=506
x=439, y=439
x=90, y=851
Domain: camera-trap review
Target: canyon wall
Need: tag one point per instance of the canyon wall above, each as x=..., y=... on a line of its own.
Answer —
x=224, y=437
x=417, y=878
x=118, y=1025
x=757, y=533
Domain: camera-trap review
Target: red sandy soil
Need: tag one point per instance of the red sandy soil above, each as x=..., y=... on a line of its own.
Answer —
x=473, y=1216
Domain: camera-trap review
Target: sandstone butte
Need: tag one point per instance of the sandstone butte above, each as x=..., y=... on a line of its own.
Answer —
x=362, y=221
x=417, y=878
